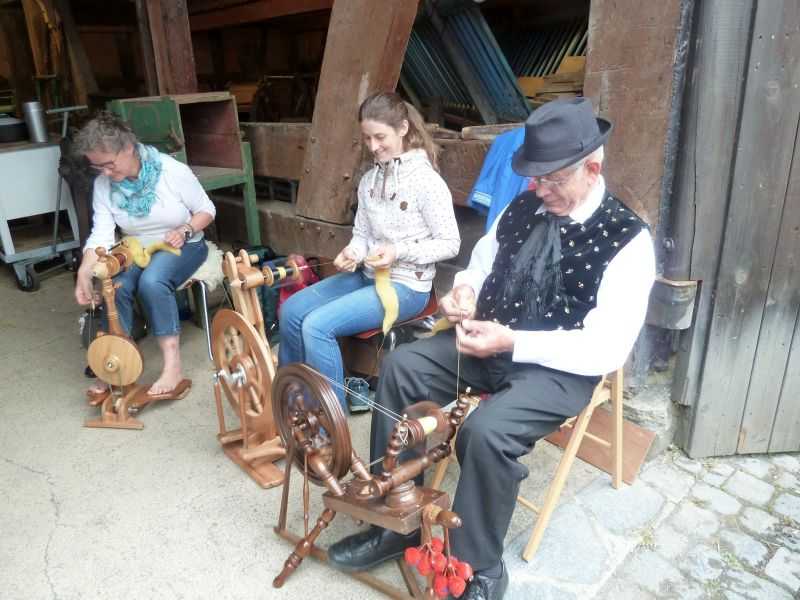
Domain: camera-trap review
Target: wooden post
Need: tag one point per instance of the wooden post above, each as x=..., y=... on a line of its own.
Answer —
x=146, y=42
x=82, y=76
x=363, y=54
x=12, y=24
x=37, y=36
x=171, y=43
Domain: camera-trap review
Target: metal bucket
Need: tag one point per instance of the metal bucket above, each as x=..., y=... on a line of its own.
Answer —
x=34, y=118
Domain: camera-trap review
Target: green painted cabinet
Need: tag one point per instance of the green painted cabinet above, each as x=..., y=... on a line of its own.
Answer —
x=201, y=130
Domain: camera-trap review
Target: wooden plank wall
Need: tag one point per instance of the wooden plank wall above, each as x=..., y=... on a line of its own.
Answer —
x=279, y=151
x=712, y=108
x=773, y=400
x=363, y=54
x=754, y=298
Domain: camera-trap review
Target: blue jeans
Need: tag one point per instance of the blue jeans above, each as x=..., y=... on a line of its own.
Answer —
x=156, y=287
x=342, y=305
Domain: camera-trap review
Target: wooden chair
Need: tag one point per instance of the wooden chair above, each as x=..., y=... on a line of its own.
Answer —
x=430, y=309
x=609, y=389
x=359, y=350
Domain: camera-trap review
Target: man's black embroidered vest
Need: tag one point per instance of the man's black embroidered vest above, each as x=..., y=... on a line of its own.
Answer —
x=586, y=250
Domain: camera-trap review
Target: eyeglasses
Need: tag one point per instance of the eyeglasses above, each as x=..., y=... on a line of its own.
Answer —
x=108, y=165
x=554, y=182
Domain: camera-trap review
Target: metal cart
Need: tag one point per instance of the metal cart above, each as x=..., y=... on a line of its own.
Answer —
x=29, y=181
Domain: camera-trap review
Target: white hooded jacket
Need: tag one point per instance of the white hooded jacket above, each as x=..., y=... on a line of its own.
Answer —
x=405, y=202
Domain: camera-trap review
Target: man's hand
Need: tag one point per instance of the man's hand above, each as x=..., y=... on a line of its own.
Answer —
x=483, y=338
x=382, y=257
x=458, y=304
x=346, y=260
x=175, y=237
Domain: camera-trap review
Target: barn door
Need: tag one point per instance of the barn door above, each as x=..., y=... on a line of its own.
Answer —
x=747, y=395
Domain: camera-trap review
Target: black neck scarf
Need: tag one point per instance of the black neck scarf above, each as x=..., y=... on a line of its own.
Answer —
x=535, y=272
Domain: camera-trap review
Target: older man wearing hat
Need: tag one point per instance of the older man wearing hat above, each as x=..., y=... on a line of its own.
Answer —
x=553, y=298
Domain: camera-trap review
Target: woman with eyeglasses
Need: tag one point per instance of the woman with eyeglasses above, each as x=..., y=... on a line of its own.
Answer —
x=153, y=197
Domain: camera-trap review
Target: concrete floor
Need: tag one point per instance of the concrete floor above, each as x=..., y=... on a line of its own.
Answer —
x=157, y=513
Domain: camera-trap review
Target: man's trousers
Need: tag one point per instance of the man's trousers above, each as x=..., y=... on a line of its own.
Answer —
x=526, y=403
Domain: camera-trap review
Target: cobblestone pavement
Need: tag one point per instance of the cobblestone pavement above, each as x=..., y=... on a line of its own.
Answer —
x=724, y=528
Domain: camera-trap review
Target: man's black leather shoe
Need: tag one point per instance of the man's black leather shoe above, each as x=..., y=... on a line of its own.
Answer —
x=488, y=588
x=370, y=548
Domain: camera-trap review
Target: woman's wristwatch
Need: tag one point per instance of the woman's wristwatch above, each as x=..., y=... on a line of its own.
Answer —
x=188, y=231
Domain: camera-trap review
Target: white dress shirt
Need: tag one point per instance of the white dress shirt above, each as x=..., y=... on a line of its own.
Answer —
x=609, y=330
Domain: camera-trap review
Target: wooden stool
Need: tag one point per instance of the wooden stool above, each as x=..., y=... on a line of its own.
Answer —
x=609, y=388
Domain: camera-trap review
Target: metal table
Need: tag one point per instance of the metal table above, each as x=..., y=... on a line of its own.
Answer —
x=29, y=184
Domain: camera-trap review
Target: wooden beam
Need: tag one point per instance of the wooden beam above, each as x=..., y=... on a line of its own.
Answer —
x=37, y=36
x=146, y=44
x=363, y=54
x=253, y=12
x=83, y=78
x=12, y=24
x=172, y=46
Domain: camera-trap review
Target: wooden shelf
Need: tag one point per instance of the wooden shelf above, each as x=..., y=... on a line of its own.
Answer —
x=213, y=178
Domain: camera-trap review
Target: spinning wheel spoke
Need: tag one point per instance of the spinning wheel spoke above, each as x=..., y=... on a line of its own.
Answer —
x=303, y=400
x=239, y=351
x=233, y=343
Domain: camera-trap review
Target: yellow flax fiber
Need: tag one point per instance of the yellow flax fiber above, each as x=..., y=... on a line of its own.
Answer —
x=141, y=256
x=441, y=324
x=388, y=296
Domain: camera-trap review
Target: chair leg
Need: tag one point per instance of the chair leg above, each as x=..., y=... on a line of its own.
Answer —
x=554, y=491
x=616, y=435
x=202, y=308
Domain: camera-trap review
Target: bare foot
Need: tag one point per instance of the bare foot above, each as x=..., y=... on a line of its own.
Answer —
x=98, y=387
x=97, y=392
x=165, y=383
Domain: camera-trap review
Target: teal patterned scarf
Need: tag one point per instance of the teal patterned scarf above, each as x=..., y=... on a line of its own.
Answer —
x=137, y=196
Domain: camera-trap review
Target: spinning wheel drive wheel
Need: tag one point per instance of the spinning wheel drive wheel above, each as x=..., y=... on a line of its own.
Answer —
x=115, y=359
x=303, y=398
x=237, y=348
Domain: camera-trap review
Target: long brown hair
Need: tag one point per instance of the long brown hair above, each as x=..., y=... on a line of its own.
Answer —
x=390, y=109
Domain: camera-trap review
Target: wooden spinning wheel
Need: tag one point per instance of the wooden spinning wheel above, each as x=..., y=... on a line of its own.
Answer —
x=245, y=371
x=237, y=348
x=245, y=367
x=115, y=358
x=314, y=430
